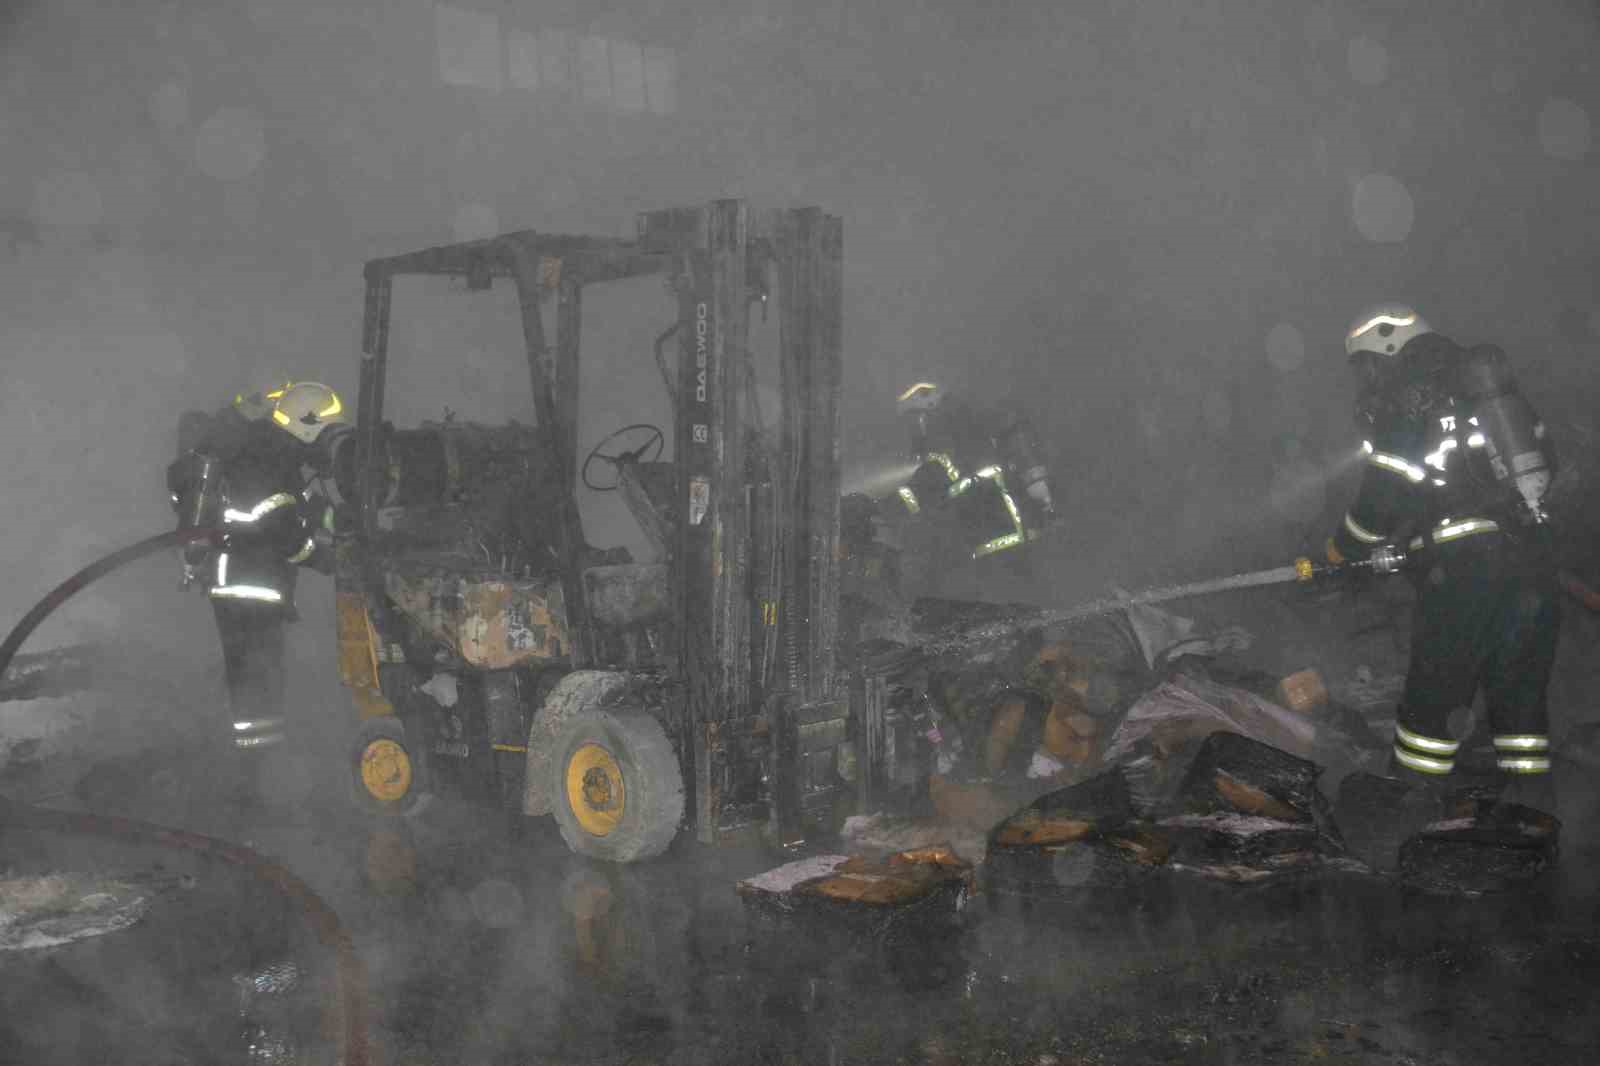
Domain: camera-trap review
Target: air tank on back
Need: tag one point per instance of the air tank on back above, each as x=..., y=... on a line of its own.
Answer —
x=1513, y=435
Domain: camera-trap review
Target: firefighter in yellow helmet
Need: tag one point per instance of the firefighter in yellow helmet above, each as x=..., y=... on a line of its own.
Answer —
x=247, y=470
x=979, y=471
x=1457, y=466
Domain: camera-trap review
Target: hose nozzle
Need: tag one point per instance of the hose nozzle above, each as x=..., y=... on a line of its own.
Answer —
x=1384, y=559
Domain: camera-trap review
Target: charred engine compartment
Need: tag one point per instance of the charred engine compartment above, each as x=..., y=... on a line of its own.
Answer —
x=474, y=621
x=476, y=494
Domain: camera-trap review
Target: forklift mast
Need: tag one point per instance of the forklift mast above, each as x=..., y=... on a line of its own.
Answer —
x=756, y=568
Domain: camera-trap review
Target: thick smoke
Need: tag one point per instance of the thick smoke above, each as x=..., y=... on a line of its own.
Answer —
x=1146, y=225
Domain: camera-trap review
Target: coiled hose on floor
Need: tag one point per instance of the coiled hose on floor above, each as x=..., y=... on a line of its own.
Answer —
x=353, y=1046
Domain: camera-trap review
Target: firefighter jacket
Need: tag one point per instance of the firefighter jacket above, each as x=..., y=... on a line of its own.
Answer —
x=244, y=477
x=1429, y=478
x=976, y=465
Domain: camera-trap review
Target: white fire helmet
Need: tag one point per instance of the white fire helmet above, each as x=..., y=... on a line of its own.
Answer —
x=305, y=409
x=1383, y=329
x=923, y=396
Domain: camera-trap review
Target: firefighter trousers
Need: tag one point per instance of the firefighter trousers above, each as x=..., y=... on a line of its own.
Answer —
x=252, y=635
x=1480, y=623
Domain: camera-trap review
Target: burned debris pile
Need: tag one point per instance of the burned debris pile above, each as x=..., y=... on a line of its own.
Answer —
x=1122, y=751
x=1244, y=813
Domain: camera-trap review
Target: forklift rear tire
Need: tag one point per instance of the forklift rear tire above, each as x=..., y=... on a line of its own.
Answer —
x=386, y=772
x=618, y=791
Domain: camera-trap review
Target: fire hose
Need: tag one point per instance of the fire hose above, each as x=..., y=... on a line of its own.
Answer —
x=353, y=1046
x=1384, y=560
x=351, y=973
x=93, y=572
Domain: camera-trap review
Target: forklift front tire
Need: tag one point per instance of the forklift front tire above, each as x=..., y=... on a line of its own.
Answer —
x=386, y=771
x=618, y=790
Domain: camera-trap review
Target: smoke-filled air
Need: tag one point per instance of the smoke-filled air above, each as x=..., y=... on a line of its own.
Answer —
x=754, y=531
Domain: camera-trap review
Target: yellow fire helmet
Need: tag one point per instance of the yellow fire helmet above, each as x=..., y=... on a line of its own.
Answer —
x=923, y=396
x=258, y=405
x=1383, y=329
x=306, y=408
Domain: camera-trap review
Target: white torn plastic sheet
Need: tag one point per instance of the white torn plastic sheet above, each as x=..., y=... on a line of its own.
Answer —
x=883, y=833
x=1157, y=630
x=783, y=878
x=1044, y=764
x=441, y=688
x=1235, y=825
x=1191, y=706
x=1269, y=867
x=43, y=912
x=1163, y=635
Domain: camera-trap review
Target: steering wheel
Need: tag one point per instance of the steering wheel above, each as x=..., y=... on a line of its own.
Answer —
x=650, y=450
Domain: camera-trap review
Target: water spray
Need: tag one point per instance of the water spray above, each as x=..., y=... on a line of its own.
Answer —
x=878, y=480
x=1383, y=560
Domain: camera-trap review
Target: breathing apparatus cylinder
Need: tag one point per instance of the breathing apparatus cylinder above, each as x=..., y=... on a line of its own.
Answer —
x=1020, y=448
x=1513, y=436
x=336, y=461
x=195, y=482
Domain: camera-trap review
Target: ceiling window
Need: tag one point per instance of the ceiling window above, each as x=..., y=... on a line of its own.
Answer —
x=477, y=51
x=469, y=47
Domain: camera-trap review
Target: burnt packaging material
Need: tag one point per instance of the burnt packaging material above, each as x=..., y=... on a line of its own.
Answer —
x=839, y=900
x=1246, y=813
x=1234, y=774
x=1066, y=840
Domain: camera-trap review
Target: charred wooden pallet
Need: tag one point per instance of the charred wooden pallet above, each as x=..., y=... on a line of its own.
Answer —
x=830, y=904
x=1233, y=774
x=1081, y=837
x=1246, y=814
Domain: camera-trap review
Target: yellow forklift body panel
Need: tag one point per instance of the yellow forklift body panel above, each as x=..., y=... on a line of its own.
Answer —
x=493, y=623
x=358, y=655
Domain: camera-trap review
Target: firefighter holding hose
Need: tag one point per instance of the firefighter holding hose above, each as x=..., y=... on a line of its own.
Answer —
x=979, y=475
x=243, y=470
x=1457, y=468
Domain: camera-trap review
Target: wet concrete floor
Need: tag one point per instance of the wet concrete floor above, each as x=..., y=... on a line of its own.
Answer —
x=489, y=943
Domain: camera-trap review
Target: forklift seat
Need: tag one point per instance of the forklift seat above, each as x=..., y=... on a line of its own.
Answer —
x=628, y=594
x=649, y=489
x=472, y=492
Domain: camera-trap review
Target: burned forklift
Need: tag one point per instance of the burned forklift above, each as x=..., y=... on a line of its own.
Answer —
x=490, y=650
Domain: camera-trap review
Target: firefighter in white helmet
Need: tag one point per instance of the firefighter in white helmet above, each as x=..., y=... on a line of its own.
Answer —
x=982, y=466
x=247, y=470
x=1457, y=464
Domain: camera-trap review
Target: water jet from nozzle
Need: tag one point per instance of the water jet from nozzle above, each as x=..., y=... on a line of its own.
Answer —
x=879, y=479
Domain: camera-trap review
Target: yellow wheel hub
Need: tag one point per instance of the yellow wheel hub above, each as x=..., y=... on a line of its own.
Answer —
x=595, y=792
x=386, y=770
